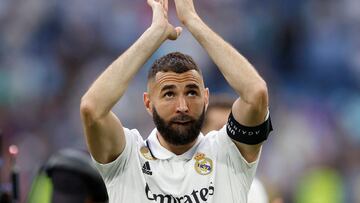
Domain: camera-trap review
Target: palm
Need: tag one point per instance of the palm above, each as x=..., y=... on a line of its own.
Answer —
x=160, y=18
x=185, y=9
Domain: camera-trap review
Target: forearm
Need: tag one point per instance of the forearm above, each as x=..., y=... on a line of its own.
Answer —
x=251, y=106
x=113, y=82
x=236, y=69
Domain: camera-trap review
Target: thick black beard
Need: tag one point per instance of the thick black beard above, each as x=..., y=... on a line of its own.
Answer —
x=175, y=135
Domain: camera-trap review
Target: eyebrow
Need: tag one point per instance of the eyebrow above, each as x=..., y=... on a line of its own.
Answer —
x=168, y=87
x=192, y=86
x=171, y=87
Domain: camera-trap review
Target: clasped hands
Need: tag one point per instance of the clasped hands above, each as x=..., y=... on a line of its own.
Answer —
x=185, y=11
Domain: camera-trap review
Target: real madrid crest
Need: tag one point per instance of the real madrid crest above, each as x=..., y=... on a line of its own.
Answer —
x=146, y=153
x=203, y=165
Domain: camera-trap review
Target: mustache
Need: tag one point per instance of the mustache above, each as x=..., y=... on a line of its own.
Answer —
x=182, y=118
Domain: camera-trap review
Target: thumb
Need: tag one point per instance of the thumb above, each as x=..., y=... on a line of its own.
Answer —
x=178, y=31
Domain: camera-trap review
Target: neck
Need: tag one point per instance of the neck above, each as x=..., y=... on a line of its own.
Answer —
x=176, y=149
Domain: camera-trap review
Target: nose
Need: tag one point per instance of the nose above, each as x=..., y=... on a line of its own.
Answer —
x=182, y=105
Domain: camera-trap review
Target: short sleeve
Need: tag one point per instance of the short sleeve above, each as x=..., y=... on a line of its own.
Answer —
x=110, y=171
x=243, y=170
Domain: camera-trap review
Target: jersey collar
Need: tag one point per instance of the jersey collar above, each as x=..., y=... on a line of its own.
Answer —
x=161, y=152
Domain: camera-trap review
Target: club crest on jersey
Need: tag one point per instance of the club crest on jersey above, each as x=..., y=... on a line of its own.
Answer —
x=203, y=165
x=146, y=153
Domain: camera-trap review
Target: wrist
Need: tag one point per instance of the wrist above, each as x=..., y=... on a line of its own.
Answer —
x=158, y=32
x=191, y=20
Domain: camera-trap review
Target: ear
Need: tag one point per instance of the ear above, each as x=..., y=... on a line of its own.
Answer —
x=206, y=95
x=147, y=103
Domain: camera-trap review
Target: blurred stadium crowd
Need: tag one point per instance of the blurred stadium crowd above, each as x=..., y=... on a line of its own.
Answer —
x=308, y=51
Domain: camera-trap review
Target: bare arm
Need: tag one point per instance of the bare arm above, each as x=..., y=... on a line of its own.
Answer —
x=103, y=130
x=251, y=107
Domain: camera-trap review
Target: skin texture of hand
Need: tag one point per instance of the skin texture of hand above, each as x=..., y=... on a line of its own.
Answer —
x=160, y=19
x=185, y=10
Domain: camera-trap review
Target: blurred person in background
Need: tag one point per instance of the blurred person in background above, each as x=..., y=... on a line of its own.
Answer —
x=68, y=176
x=320, y=184
x=217, y=113
x=177, y=163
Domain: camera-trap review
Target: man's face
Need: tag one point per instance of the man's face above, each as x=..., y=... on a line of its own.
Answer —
x=180, y=130
x=177, y=103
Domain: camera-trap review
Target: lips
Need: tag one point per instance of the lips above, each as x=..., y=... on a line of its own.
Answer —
x=182, y=122
x=182, y=119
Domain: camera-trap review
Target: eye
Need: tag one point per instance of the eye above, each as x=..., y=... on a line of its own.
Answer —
x=192, y=93
x=169, y=94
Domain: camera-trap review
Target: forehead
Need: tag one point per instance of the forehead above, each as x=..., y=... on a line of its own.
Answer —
x=166, y=78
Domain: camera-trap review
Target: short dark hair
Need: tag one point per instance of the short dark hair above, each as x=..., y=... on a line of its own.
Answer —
x=174, y=62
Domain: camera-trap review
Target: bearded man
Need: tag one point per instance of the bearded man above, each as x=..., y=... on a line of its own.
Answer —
x=177, y=163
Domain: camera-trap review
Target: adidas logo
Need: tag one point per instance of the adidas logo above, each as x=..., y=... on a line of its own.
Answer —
x=146, y=168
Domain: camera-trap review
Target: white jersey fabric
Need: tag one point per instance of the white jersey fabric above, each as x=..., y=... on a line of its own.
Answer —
x=212, y=171
x=257, y=192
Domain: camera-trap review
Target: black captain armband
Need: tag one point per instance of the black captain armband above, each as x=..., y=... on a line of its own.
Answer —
x=248, y=135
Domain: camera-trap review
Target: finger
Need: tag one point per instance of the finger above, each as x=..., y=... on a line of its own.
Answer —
x=150, y=2
x=166, y=8
x=166, y=4
x=165, y=11
x=153, y=2
x=178, y=31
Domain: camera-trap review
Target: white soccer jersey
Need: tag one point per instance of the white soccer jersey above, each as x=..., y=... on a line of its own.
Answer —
x=213, y=171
